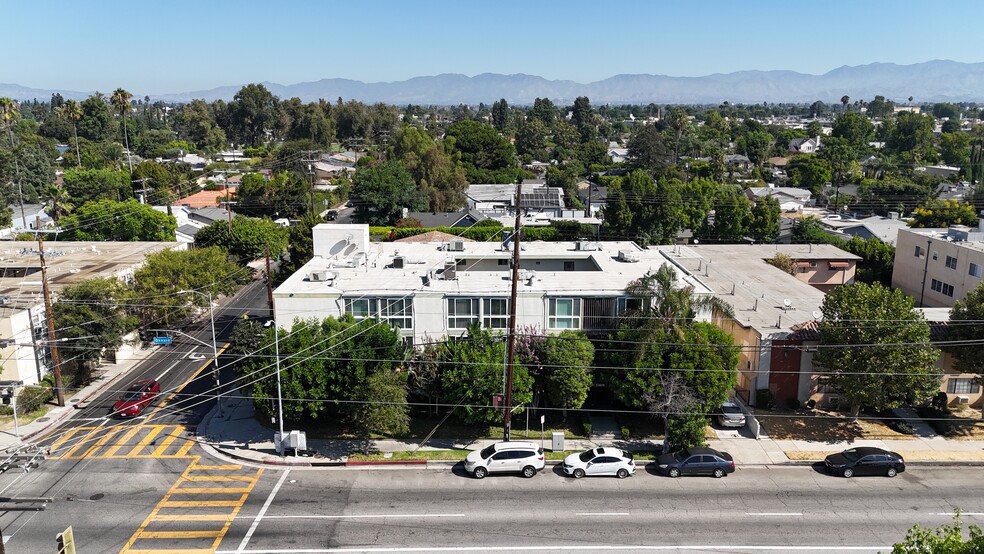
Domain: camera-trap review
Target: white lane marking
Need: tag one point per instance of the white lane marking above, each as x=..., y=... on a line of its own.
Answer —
x=773, y=513
x=259, y=516
x=81, y=419
x=161, y=376
x=355, y=516
x=615, y=548
x=951, y=514
x=602, y=514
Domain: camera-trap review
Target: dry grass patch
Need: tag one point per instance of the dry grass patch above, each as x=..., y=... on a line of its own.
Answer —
x=824, y=426
x=967, y=424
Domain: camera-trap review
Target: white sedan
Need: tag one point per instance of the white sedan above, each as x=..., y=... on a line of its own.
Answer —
x=599, y=461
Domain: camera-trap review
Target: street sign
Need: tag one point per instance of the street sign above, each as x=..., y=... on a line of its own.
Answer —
x=162, y=340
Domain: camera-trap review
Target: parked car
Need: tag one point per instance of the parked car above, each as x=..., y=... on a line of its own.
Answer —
x=136, y=398
x=730, y=415
x=866, y=460
x=331, y=215
x=600, y=461
x=696, y=461
x=506, y=457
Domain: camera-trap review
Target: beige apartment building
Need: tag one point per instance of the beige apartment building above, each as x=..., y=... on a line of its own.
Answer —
x=937, y=267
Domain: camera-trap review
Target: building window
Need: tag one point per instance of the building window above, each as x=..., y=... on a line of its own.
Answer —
x=962, y=386
x=495, y=313
x=975, y=270
x=565, y=313
x=462, y=312
x=951, y=262
x=568, y=266
x=398, y=312
x=919, y=252
x=503, y=262
x=941, y=287
x=936, y=256
x=813, y=264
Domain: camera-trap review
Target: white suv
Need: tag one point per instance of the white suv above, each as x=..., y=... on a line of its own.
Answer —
x=506, y=457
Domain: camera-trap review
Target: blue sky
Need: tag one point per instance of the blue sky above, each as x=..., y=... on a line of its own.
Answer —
x=155, y=47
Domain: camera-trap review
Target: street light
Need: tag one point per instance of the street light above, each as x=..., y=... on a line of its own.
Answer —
x=280, y=396
x=215, y=351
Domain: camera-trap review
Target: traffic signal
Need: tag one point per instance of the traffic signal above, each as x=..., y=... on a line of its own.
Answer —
x=7, y=395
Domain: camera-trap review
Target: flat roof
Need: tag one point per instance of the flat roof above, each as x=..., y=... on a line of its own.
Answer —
x=376, y=276
x=757, y=291
x=68, y=263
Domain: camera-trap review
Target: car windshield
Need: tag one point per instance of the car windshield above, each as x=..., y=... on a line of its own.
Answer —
x=730, y=409
x=488, y=451
x=851, y=454
x=682, y=455
x=132, y=394
x=587, y=456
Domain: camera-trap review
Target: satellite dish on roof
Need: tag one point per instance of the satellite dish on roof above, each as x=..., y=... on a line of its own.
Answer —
x=817, y=315
x=787, y=302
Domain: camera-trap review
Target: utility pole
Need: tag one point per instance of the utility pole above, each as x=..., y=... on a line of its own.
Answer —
x=228, y=206
x=50, y=316
x=269, y=279
x=511, y=346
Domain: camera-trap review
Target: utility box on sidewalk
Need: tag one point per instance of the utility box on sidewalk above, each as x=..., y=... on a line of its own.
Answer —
x=557, y=441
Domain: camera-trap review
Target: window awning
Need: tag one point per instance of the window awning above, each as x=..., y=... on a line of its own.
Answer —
x=839, y=265
x=802, y=264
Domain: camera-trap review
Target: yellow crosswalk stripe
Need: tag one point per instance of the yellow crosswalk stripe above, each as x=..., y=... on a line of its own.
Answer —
x=154, y=431
x=167, y=442
x=82, y=442
x=101, y=442
x=183, y=451
x=151, y=528
x=124, y=439
x=69, y=433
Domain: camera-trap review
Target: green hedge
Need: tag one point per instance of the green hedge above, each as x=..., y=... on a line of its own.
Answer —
x=476, y=233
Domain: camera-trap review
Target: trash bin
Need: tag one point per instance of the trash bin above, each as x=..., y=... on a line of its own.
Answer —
x=557, y=441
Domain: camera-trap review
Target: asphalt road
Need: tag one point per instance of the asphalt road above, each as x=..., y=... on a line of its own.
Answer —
x=792, y=509
x=135, y=461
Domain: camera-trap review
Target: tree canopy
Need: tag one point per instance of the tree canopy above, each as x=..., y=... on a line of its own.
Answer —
x=109, y=220
x=875, y=348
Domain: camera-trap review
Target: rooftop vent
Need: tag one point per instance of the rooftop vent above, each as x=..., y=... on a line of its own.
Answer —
x=398, y=262
x=587, y=246
x=450, y=270
x=318, y=276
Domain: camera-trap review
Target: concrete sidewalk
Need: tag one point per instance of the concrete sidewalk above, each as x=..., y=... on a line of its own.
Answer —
x=104, y=377
x=235, y=433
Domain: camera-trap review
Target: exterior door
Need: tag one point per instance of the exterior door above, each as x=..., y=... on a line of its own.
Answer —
x=500, y=461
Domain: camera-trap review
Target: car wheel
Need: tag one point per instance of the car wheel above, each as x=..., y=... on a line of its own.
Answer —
x=480, y=472
x=622, y=473
x=848, y=473
x=529, y=471
x=674, y=472
x=719, y=473
x=578, y=473
x=892, y=472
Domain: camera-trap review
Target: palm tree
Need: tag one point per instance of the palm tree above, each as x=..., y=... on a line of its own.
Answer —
x=121, y=101
x=72, y=111
x=668, y=307
x=57, y=200
x=8, y=108
x=844, y=100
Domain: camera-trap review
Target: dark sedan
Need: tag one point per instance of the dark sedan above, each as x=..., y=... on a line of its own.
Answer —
x=696, y=461
x=865, y=461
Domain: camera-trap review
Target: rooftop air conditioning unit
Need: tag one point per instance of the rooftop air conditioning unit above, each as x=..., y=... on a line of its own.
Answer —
x=456, y=246
x=318, y=276
x=450, y=270
x=627, y=256
x=963, y=399
x=398, y=262
x=586, y=245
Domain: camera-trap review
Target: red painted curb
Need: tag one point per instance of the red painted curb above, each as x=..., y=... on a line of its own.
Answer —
x=387, y=463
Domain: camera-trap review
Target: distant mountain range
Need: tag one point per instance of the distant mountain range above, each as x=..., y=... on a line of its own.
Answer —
x=933, y=81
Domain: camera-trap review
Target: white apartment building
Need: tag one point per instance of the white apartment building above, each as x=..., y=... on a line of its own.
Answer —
x=937, y=267
x=433, y=290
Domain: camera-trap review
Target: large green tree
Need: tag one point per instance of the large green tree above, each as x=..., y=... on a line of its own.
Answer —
x=809, y=171
x=764, y=224
x=946, y=539
x=254, y=111
x=248, y=238
x=157, y=282
x=90, y=316
x=383, y=191
x=109, y=220
x=875, y=347
x=471, y=372
x=285, y=195
x=486, y=157
x=940, y=212
x=88, y=185
x=121, y=103
x=966, y=331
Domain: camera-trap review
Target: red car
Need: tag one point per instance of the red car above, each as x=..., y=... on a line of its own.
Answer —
x=136, y=398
